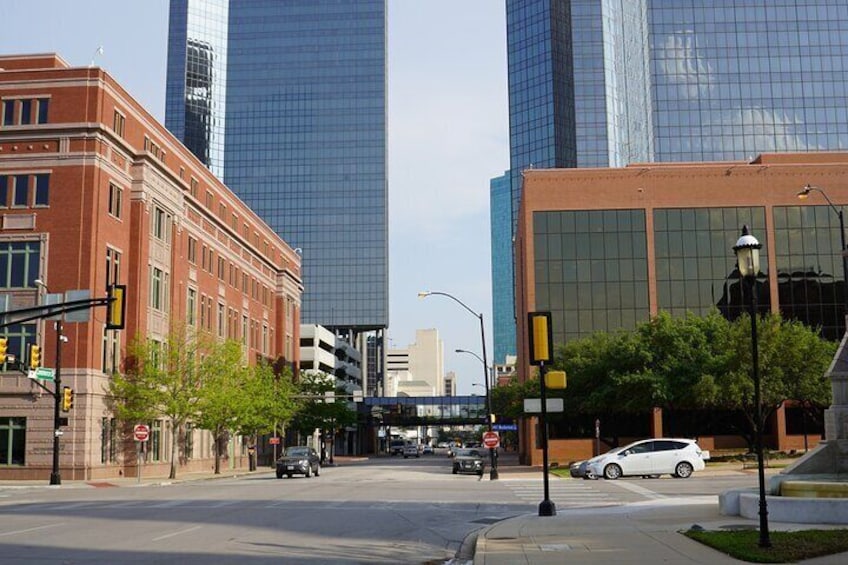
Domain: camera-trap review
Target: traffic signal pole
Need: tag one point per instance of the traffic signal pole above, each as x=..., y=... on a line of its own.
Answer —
x=55, y=477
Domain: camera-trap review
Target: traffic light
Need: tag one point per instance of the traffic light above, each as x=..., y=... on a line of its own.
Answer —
x=4, y=345
x=116, y=307
x=34, y=356
x=67, y=398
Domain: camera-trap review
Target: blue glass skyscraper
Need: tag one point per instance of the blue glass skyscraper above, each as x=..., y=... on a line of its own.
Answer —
x=605, y=83
x=286, y=102
x=503, y=315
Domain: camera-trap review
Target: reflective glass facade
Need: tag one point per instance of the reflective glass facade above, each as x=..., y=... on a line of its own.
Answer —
x=425, y=410
x=604, y=83
x=503, y=317
x=591, y=270
x=197, y=78
x=305, y=140
x=734, y=79
x=810, y=276
x=695, y=264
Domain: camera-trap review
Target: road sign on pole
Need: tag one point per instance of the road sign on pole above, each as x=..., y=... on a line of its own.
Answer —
x=141, y=432
x=491, y=440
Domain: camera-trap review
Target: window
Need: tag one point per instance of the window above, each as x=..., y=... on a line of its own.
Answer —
x=155, y=453
x=20, y=336
x=191, y=307
x=4, y=192
x=222, y=320
x=43, y=105
x=116, y=197
x=193, y=189
x=113, y=267
x=161, y=225
x=110, y=361
x=8, y=112
x=188, y=445
x=26, y=111
x=19, y=263
x=222, y=211
x=222, y=268
x=20, y=191
x=209, y=199
x=118, y=124
x=153, y=148
x=192, y=250
x=157, y=283
x=244, y=330
x=203, y=320
x=204, y=252
x=12, y=441
x=235, y=222
x=42, y=189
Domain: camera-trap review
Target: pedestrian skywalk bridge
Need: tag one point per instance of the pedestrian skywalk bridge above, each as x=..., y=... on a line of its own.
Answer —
x=572, y=494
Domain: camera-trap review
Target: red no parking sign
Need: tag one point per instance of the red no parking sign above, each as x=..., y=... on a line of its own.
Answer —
x=491, y=440
x=141, y=432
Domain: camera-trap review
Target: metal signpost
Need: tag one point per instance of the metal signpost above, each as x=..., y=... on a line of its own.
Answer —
x=141, y=433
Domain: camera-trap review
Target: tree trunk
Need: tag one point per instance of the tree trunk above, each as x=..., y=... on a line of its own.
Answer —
x=218, y=435
x=175, y=432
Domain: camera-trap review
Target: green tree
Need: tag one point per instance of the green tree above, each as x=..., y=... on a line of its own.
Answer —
x=315, y=411
x=222, y=398
x=161, y=380
x=269, y=401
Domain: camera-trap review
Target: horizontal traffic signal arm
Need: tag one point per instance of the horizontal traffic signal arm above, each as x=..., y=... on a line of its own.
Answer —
x=10, y=317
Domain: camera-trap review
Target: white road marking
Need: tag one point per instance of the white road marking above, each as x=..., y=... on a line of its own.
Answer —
x=35, y=529
x=179, y=533
x=633, y=487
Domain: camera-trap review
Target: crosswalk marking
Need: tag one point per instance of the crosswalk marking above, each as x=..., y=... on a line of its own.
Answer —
x=563, y=493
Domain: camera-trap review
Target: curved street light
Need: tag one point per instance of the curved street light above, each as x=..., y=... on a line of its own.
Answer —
x=802, y=195
x=493, y=474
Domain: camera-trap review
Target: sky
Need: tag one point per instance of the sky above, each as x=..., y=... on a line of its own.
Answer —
x=448, y=135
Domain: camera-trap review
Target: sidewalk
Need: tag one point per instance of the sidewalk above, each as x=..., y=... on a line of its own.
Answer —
x=643, y=532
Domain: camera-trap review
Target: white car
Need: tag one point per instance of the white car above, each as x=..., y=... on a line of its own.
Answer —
x=650, y=457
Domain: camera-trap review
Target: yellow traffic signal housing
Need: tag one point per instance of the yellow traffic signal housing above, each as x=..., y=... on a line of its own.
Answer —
x=4, y=345
x=34, y=356
x=67, y=398
x=116, y=307
x=541, y=337
x=555, y=379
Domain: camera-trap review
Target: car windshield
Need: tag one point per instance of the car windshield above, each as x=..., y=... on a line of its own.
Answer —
x=467, y=453
x=297, y=451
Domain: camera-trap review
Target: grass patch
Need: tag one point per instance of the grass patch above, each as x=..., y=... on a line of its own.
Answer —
x=787, y=547
x=560, y=472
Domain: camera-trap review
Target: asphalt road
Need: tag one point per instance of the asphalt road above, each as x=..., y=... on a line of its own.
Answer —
x=386, y=510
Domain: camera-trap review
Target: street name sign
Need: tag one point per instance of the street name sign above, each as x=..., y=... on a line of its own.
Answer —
x=534, y=405
x=42, y=374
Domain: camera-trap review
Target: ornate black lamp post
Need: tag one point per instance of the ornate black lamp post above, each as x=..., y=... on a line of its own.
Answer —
x=747, y=250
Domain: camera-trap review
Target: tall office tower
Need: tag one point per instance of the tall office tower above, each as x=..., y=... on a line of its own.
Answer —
x=598, y=83
x=503, y=316
x=292, y=94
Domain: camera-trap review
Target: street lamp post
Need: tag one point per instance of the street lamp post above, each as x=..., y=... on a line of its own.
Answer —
x=493, y=474
x=488, y=392
x=55, y=477
x=747, y=250
x=803, y=194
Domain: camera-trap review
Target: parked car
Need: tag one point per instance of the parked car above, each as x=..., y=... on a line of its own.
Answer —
x=580, y=470
x=411, y=450
x=468, y=461
x=427, y=449
x=650, y=457
x=298, y=460
x=396, y=447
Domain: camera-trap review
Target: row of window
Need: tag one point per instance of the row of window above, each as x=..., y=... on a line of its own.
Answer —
x=24, y=111
x=227, y=322
x=228, y=272
x=24, y=190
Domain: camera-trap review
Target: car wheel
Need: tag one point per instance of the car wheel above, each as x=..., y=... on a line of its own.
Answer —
x=612, y=471
x=318, y=470
x=455, y=471
x=308, y=471
x=683, y=470
x=289, y=475
x=279, y=474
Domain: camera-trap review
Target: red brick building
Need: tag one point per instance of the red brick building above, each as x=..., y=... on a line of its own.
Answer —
x=94, y=191
x=603, y=249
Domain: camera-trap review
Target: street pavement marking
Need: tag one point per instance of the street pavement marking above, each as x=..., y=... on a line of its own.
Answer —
x=169, y=504
x=564, y=493
x=35, y=529
x=179, y=533
x=633, y=487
